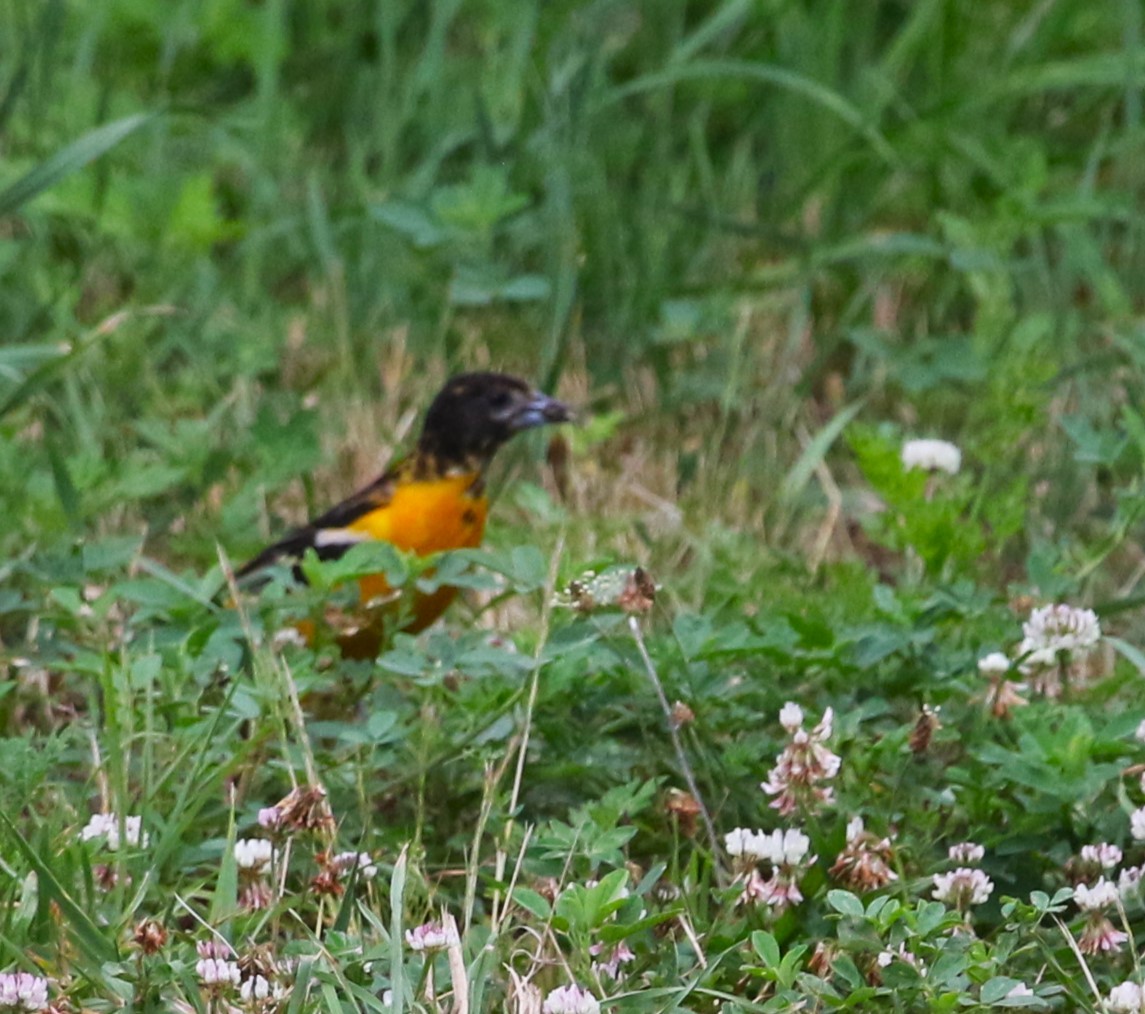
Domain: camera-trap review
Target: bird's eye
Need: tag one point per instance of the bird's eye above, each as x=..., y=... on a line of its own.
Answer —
x=499, y=400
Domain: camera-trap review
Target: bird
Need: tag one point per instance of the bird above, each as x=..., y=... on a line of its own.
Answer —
x=431, y=500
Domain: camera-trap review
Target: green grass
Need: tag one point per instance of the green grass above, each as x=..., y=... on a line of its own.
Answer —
x=762, y=245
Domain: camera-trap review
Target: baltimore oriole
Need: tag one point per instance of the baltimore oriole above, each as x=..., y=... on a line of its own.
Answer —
x=432, y=500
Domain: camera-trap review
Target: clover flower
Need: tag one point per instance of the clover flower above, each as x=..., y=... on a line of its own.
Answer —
x=864, y=863
x=1056, y=638
x=931, y=456
x=1099, y=936
x=966, y=852
x=962, y=888
x=216, y=973
x=1103, y=855
x=1137, y=823
x=994, y=664
x=1127, y=998
x=22, y=991
x=803, y=766
x=1129, y=880
x=619, y=954
x=746, y=844
x=902, y=953
x=570, y=1000
x=345, y=862
x=106, y=827
x=432, y=936
x=253, y=854
x=786, y=852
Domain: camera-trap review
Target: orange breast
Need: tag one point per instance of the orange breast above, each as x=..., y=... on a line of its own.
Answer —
x=423, y=517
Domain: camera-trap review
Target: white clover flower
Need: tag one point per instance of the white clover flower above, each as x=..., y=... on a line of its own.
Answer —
x=1129, y=880
x=855, y=827
x=344, y=862
x=432, y=936
x=217, y=972
x=253, y=853
x=966, y=852
x=1100, y=896
x=1137, y=823
x=1128, y=998
x=1104, y=855
x=1140, y=733
x=931, y=456
x=106, y=826
x=802, y=765
x=1021, y=989
x=570, y=1000
x=791, y=716
x=270, y=817
x=994, y=664
x=962, y=888
x=746, y=843
x=21, y=991
x=254, y=988
x=1059, y=628
x=788, y=847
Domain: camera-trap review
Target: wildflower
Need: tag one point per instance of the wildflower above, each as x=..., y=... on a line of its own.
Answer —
x=684, y=807
x=803, y=765
x=786, y=851
x=432, y=936
x=106, y=826
x=150, y=936
x=630, y=589
x=864, y=864
x=1140, y=733
x=1104, y=855
x=22, y=991
x=270, y=818
x=213, y=948
x=1099, y=936
x=925, y=726
x=962, y=888
x=1056, y=638
x=1129, y=880
x=1127, y=998
x=253, y=854
x=1060, y=628
x=791, y=717
x=570, y=1000
x=620, y=954
x=217, y=972
x=254, y=988
x=1137, y=823
x=344, y=862
x=302, y=809
x=742, y=843
x=931, y=456
x=908, y=957
x=994, y=664
x=966, y=852
x=682, y=715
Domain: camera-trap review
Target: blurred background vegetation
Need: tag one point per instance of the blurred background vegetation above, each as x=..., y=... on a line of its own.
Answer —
x=241, y=242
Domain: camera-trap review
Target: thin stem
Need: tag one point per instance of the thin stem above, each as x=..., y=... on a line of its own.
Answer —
x=678, y=746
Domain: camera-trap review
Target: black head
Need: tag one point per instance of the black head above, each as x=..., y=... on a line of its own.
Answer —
x=475, y=413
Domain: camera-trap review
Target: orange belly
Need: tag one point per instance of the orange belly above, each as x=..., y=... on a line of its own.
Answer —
x=422, y=517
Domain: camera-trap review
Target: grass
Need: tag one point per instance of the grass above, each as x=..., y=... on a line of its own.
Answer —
x=242, y=245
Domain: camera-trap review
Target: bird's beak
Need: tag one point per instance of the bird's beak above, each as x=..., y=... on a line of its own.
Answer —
x=540, y=410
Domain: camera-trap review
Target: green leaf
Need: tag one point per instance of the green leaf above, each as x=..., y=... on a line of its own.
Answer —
x=88, y=935
x=766, y=946
x=67, y=160
x=845, y=903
